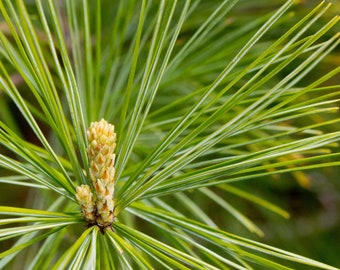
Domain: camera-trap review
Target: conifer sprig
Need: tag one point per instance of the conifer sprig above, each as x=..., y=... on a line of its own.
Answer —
x=205, y=94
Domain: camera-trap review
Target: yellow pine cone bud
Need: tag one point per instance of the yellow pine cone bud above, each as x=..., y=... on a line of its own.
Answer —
x=84, y=197
x=102, y=144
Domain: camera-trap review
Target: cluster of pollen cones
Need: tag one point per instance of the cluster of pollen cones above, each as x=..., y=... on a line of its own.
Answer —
x=97, y=207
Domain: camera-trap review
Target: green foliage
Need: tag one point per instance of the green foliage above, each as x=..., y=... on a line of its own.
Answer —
x=204, y=95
